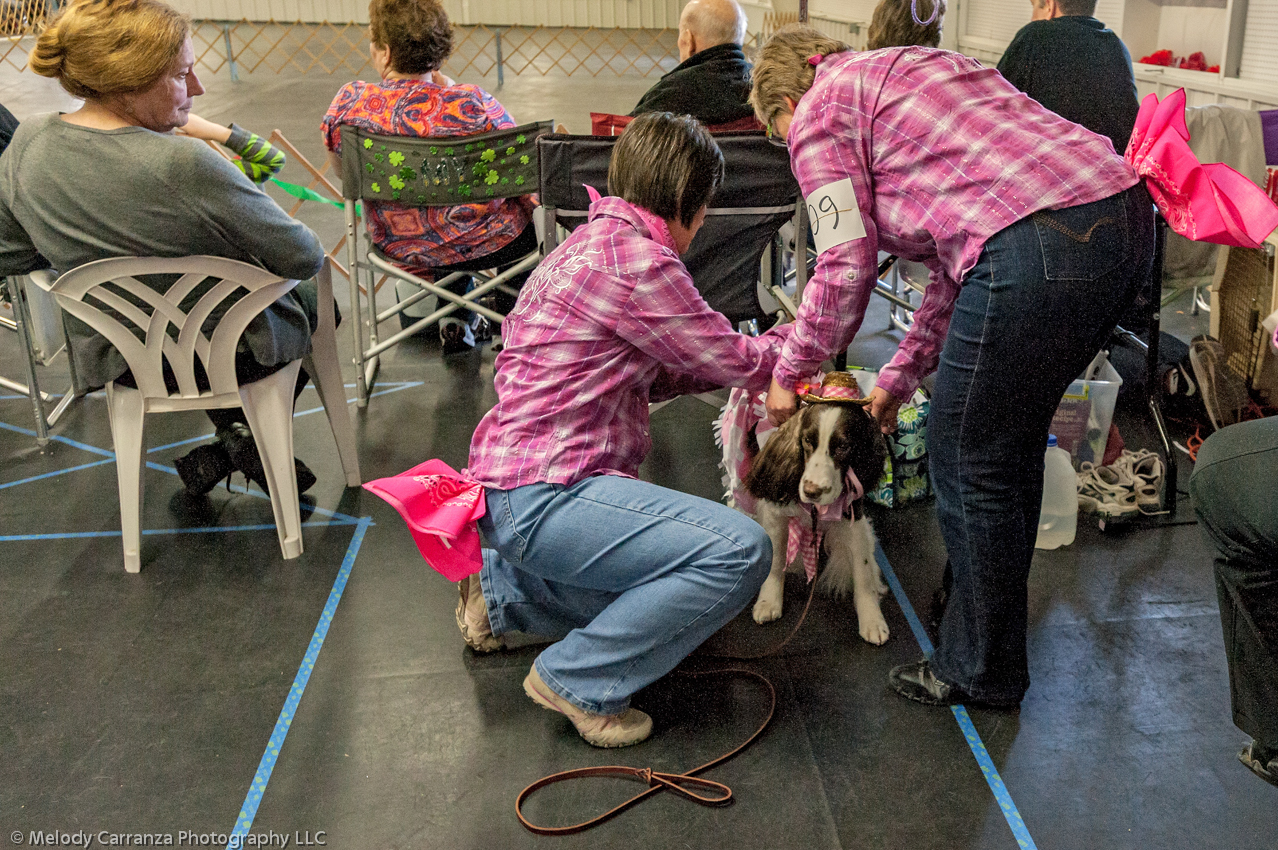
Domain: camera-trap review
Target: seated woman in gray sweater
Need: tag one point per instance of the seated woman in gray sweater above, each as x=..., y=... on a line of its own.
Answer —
x=112, y=180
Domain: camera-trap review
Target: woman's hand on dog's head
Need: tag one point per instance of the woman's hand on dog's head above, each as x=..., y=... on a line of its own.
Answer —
x=781, y=404
x=883, y=407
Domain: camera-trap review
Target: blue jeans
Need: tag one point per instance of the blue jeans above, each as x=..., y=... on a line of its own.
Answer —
x=1043, y=298
x=630, y=576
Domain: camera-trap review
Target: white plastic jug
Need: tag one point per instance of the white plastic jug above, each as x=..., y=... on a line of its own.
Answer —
x=1058, y=519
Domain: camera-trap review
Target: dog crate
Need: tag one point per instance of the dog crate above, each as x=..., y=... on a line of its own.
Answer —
x=1244, y=295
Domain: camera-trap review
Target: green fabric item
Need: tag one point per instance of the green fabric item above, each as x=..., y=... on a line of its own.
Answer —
x=305, y=194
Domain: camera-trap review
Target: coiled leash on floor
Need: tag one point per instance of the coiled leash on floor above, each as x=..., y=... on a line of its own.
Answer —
x=678, y=783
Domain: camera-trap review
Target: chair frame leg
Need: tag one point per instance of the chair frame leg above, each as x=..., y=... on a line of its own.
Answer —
x=128, y=420
x=268, y=407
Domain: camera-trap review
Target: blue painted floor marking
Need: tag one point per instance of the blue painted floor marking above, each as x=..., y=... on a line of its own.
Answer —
x=82, y=446
x=257, y=787
x=58, y=472
x=223, y=529
x=1001, y=795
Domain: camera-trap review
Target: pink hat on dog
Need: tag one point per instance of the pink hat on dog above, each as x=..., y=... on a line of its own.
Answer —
x=836, y=388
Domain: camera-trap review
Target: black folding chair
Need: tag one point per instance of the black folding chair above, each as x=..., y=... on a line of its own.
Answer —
x=757, y=197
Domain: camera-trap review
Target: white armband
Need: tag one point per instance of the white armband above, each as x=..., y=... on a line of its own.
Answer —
x=834, y=215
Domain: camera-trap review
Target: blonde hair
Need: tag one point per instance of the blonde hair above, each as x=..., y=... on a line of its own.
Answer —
x=893, y=24
x=100, y=47
x=782, y=69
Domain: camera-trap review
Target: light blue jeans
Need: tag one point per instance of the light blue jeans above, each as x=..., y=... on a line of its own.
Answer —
x=631, y=577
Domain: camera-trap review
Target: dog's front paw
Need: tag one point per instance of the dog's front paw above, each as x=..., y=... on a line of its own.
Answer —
x=875, y=631
x=766, y=610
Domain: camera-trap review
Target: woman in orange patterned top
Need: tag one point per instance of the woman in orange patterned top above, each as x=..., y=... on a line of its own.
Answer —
x=410, y=39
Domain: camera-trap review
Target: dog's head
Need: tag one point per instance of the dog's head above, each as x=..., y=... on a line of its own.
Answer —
x=807, y=458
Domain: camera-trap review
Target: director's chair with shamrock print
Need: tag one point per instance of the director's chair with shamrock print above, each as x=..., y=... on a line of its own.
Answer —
x=426, y=172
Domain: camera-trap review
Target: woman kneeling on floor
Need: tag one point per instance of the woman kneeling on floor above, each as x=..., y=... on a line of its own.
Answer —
x=631, y=576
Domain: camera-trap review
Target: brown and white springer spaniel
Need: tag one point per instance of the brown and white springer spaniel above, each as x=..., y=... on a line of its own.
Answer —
x=802, y=472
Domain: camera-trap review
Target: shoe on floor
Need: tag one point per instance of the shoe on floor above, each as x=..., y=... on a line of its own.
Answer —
x=1261, y=761
x=917, y=682
x=1107, y=492
x=472, y=617
x=1145, y=470
x=1224, y=394
x=599, y=730
x=240, y=446
x=455, y=338
x=203, y=467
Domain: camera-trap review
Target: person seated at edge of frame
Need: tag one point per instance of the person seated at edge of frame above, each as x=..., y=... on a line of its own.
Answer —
x=893, y=24
x=410, y=41
x=1037, y=236
x=1234, y=496
x=631, y=577
x=1075, y=66
x=8, y=124
x=93, y=180
x=712, y=80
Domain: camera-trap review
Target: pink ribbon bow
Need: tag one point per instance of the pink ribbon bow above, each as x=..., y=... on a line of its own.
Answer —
x=441, y=507
x=1206, y=203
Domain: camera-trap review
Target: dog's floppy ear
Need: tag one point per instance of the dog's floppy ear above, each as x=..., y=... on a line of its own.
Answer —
x=776, y=470
x=868, y=447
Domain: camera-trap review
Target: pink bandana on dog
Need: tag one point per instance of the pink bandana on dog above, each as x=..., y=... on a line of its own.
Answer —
x=441, y=507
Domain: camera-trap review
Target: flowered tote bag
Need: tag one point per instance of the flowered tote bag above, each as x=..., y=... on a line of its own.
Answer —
x=905, y=475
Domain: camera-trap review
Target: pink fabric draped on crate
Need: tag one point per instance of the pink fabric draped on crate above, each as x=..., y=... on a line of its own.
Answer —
x=1206, y=203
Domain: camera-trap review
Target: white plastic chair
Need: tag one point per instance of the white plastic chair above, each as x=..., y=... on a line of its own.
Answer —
x=267, y=403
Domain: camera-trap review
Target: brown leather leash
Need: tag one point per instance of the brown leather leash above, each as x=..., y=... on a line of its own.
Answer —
x=678, y=783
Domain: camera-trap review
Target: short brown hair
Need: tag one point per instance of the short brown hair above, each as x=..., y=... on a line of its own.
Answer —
x=417, y=33
x=1085, y=8
x=668, y=164
x=893, y=24
x=100, y=47
x=782, y=69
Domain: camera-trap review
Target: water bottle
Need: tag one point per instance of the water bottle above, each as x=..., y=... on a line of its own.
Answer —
x=1058, y=519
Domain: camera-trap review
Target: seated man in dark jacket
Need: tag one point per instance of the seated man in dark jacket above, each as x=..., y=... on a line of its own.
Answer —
x=1071, y=63
x=712, y=80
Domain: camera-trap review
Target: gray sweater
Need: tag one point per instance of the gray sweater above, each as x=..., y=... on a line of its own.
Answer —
x=70, y=195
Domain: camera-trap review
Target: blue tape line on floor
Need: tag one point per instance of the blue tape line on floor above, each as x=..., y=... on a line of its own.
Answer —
x=58, y=472
x=1001, y=795
x=72, y=535
x=258, y=786
x=82, y=446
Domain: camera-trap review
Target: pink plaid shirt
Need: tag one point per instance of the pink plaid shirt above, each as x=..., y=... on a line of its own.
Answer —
x=607, y=323
x=942, y=154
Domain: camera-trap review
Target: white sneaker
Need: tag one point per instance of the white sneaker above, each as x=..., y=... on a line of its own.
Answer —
x=1145, y=469
x=1107, y=492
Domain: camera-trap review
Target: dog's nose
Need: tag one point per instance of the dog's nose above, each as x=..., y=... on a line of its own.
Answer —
x=814, y=491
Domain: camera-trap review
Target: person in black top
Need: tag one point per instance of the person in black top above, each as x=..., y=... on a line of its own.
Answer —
x=7, y=125
x=712, y=80
x=1075, y=66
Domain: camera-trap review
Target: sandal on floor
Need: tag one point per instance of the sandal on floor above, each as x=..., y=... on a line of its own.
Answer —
x=1262, y=762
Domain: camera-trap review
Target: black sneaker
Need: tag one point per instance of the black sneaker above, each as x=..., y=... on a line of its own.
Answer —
x=242, y=450
x=917, y=682
x=456, y=338
x=203, y=467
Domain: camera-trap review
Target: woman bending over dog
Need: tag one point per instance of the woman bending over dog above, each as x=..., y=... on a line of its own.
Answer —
x=630, y=576
x=1036, y=234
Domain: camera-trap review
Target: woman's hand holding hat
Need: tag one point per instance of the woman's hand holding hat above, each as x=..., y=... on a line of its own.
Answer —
x=884, y=407
x=781, y=403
